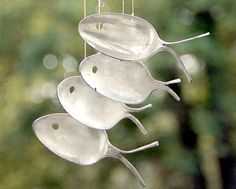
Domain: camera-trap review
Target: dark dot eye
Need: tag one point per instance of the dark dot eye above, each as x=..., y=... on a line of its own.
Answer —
x=72, y=89
x=55, y=126
x=99, y=26
x=95, y=69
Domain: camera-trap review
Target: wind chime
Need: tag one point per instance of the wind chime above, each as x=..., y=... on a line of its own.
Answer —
x=110, y=79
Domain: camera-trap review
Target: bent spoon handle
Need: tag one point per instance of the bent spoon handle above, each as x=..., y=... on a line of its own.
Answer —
x=137, y=122
x=179, y=61
x=132, y=169
x=131, y=109
x=161, y=87
x=142, y=148
x=114, y=152
x=186, y=40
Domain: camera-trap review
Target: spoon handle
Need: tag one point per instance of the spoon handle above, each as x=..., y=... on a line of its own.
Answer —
x=174, y=81
x=137, y=122
x=185, y=40
x=163, y=87
x=181, y=64
x=151, y=145
x=116, y=153
x=130, y=109
x=132, y=169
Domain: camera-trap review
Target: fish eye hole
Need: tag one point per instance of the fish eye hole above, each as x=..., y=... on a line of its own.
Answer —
x=99, y=26
x=95, y=69
x=55, y=126
x=72, y=89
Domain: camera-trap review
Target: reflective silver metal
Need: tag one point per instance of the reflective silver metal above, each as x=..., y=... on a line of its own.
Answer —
x=126, y=37
x=91, y=108
x=127, y=82
x=75, y=142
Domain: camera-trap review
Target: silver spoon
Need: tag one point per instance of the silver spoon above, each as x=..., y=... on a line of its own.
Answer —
x=75, y=142
x=126, y=37
x=127, y=82
x=91, y=108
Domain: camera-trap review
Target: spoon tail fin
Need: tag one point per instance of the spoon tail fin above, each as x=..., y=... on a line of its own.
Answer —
x=132, y=169
x=137, y=122
x=181, y=64
x=186, y=40
x=172, y=93
x=130, y=109
x=151, y=145
x=163, y=87
x=172, y=81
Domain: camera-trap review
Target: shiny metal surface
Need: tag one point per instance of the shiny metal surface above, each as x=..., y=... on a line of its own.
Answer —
x=127, y=82
x=91, y=108
x=75, y=142
x=126, y=37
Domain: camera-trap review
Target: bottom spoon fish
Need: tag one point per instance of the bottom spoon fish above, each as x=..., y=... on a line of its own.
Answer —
x=75, y=142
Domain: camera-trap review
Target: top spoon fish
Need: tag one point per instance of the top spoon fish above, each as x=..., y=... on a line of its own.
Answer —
x=77, y=143
x=126, y=37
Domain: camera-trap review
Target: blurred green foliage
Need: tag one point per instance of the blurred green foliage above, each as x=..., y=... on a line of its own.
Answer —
x=40, y=46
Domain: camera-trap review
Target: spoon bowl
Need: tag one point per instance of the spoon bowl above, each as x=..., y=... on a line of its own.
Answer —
x=127, y=82
x=126, y=37
x=77, y=143
x=91, y=108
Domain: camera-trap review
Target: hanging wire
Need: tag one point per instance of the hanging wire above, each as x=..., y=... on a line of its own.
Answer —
x=99, y=6
x=133, y=8
x=123, y=6
x=101, y=3
x=85, y=15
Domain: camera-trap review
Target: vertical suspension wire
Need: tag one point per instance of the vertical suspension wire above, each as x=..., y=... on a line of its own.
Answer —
x=123, y=6
x=99, y=6
x=133, y=8
x=85, y=15
x=101, y=3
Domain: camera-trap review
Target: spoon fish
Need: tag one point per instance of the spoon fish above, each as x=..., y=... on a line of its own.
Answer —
x=127, y=82
x=127, y=37
x=77, y=143
x=93, y=109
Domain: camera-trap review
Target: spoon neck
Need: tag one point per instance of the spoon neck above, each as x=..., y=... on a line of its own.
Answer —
x=113, y=151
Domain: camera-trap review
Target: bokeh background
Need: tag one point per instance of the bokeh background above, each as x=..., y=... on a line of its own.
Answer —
x=40, y=46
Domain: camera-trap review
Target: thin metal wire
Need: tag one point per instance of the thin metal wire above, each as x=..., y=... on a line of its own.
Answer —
x=99, y=6
x=123, y=6
x=85, y=15
x=133, y=8
x=102, y=3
